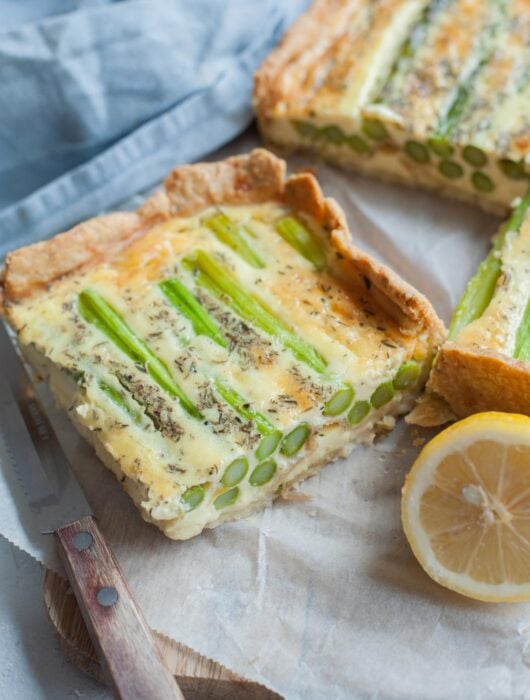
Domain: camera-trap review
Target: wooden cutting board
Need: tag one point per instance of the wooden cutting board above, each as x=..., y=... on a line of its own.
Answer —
x=199, y=678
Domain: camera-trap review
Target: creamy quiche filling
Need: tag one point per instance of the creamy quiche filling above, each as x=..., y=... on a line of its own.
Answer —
x=432, y=93
x=218, y=358
x=494, y=311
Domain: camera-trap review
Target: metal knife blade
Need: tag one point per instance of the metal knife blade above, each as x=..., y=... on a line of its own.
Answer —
x=51, y=488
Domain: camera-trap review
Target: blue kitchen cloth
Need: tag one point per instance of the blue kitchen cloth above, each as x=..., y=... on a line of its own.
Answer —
x=100, y=99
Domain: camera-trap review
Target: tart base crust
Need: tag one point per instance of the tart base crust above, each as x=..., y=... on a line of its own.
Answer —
x=474, y=381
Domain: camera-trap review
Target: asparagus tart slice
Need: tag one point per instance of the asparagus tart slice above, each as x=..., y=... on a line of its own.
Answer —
x=485, y=363
x=432, y=94
x=222, y=342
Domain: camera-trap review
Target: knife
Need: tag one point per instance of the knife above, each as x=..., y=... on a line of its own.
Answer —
x=124, y=643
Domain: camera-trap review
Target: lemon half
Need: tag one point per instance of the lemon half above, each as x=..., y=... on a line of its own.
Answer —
x=466, y=507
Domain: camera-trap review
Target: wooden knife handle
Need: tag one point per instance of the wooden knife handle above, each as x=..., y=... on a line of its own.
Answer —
x=123, y=641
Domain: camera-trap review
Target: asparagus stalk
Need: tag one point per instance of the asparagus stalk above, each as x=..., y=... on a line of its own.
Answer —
x=203, y=323
x=98, y=312
x=235, y=472
x=306, y=129
x=227, y=498
x=453, y=114
x=243, y=408
x=295, y=440
x=383, y=394
x=481, y=287
x=409, y=47
x=302, y=240
x=465, y=89
x=522, y=338
x=407, y=375
x=193, y=497
x=263, y=473
x=116, y=397
x=184, y=301
x=339, y=402
x=358, y=412
x=227, y=232
x=272, y=435
x=221, y=283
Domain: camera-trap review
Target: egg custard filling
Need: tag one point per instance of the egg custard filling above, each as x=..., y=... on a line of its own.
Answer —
x=220, y=357
x=432, y=94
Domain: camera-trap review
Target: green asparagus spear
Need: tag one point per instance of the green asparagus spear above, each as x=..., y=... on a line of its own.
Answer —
x=358, y=412
x=272, y=435
x=450, y=169
x=375, y=130
x=193, y=497
x=464, y=90
x=243, y=407
x=227, y=498
x=231, y=235
x=235, y=472
x=306, y=129
x=268, y=445
x=294, y=440
x=411, y=44
x=98, y=312
x=263, y=473
x=184, y=301
x=302, y=240
x=358, y=144
x=202, y=322
x=522, y=339
x=474, y=156
x=219, y=281
x=480, y=289
x=440, y=147
x=383, y=394
x=407, y=375
x=334, y=134
x=482, y=182
x=515, y=170
x=116, y=397
x=451, y=118
x=417, y=151
x=339, y=402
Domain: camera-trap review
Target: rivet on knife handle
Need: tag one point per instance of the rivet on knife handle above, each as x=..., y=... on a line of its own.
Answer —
x=117, y=627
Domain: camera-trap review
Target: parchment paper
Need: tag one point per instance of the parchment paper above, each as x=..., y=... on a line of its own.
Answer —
x=323, y=598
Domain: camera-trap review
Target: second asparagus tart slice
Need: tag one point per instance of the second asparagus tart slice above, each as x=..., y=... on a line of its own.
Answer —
x=485, y=363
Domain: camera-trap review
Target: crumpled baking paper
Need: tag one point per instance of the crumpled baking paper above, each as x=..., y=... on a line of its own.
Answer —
x=322, y=598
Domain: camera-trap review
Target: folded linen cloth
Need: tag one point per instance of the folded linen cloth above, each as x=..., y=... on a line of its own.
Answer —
x=101, y=101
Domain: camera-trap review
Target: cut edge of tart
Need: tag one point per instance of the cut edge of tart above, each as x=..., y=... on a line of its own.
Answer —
x=222, y=342
x=485, y=363
x=406, y=92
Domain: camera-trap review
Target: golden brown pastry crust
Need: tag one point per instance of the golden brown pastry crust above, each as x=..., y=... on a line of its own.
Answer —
x=300, y=42
x=238, y=180
x=256, y=177
x=36, y=266
x=480, y=380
